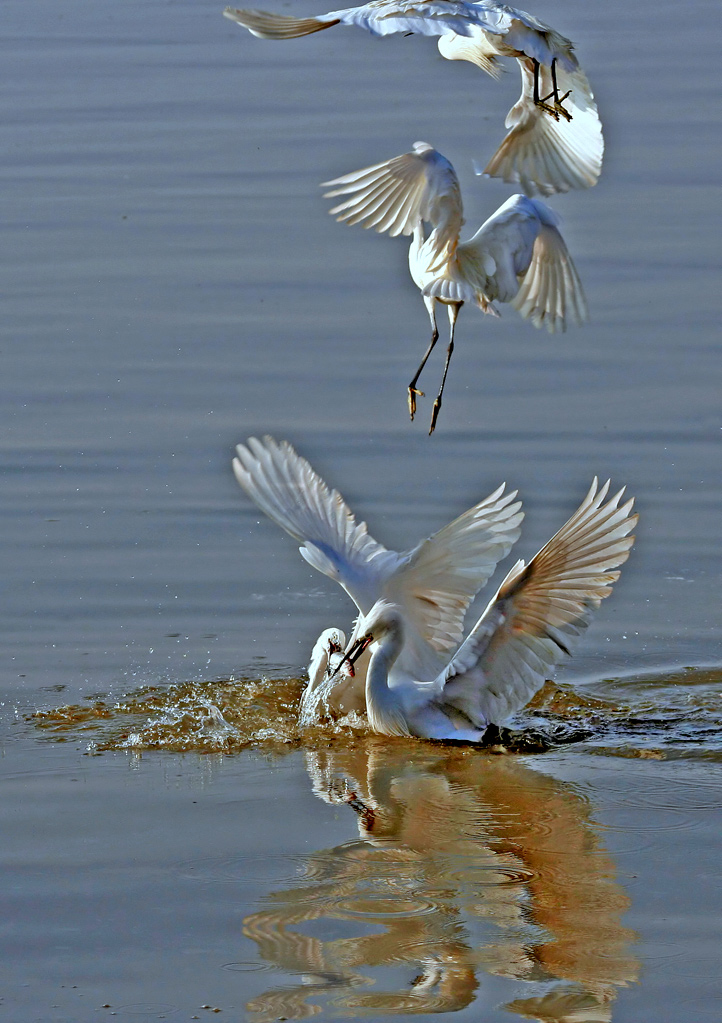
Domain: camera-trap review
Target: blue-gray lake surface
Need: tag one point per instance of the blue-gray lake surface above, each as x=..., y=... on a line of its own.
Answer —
x=173, y=843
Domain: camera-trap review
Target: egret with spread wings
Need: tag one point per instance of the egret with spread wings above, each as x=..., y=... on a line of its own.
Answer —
x=431, y=585
x=525, y=632
x=517, y=256
x=555, y=140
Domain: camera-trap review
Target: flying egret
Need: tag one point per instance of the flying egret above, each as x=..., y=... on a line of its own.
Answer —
x=432, y=584
x=516, y=256
x=518, y=641
x=555, y=140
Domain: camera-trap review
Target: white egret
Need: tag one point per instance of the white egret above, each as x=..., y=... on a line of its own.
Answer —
x=432, y=584
x=334, y=687
x=555, y=140
x=516, y=256
x=514, y=647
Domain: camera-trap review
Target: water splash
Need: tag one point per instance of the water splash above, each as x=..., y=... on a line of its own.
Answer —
x=674, y=714
x=201, y=717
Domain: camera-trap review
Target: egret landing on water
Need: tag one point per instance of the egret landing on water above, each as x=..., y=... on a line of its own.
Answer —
x=412, y=605
x=516, y=256
x=555, y=140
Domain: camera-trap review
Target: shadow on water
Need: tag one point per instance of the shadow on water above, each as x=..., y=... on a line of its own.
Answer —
x=663, y=716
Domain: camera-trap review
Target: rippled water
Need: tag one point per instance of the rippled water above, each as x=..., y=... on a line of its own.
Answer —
x=174, y=844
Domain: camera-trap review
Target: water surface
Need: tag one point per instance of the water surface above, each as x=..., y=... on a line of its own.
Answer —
x=172, y=284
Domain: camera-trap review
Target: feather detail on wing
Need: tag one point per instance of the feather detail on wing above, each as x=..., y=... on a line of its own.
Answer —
x=455, y=286
x=551, y=293
x=491, y=263
x=529, y=625
x=401, y=193
x=265, y=25
x=441, y=576
x=380, y=18
x=475, y=48
x=287, y=489
x=544, y=155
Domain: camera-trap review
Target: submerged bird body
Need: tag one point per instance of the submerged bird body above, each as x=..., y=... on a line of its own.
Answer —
x=517, y=256
x=552, y=146
x=405, y=664
x=524, y=633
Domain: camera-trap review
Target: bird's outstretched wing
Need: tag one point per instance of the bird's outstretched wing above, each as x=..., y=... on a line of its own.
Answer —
x=397, y=195
x=380, y=18
x=519, y=256
x=543, y=155
x=287, y=489
x=439, y=578
x=529, y=625
x=551, y=294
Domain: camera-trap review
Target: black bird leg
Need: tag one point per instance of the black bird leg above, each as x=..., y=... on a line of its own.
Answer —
x=430, y=304
x=558, y=107
x=453, y=308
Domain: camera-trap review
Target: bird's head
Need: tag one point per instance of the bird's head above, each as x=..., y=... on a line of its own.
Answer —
x=384, y=619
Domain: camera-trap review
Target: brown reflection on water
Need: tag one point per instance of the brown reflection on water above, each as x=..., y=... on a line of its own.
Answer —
x=466, y=864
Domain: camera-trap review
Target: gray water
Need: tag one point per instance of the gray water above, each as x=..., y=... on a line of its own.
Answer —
x=172, y=284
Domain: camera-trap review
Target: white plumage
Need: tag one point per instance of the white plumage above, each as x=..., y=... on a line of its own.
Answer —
x=517, y=256
x=524, y=633
x=555, y=140
x=418, y=678
x=433, y=584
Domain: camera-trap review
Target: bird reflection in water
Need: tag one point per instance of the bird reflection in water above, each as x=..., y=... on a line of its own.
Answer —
x=466, y=865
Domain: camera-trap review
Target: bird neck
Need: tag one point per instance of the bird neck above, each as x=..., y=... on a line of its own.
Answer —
x=383, y=705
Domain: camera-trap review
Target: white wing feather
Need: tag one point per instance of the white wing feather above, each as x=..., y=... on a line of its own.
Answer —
x=380, y=17
x=501, y=250
x=519, y=256
x=435, y=582
x=287, y=489
x=441, y=576
x=544, y=155
x=551, y=294
x=516, y=33
x=401, y=193
x=528, y=626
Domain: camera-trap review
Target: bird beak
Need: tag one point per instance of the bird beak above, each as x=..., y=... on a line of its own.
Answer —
x=352, y=654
